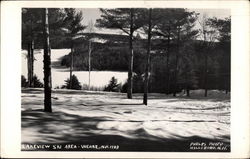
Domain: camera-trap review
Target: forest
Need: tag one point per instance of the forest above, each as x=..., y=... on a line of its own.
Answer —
x=178, y=67
x=182, y=56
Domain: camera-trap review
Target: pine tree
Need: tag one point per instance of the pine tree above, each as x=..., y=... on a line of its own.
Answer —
x=208, y=36
x=171, y=27
x=31, y=26
x=128, y=20
x=73, y=26
x=223, y=28
x=73, y=84
x=113, y=85
x=187, y=71
x=47, y=64
x=146, y=80
x=32, y=33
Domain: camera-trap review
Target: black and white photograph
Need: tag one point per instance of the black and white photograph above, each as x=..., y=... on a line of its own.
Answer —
x=129, y=79
x=126, y=79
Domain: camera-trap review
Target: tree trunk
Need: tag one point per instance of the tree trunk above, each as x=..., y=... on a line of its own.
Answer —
x=205, y=60
x=131, y=57
x=188, y=94
x=176, y=63
x=29, y=64
x=89, y=62
x=168, y=55
x=32, y=63
x=71, y=66
x=47, y=64
x=187, y=84
x=206, y=76
x=31, y=58
x=145, y=97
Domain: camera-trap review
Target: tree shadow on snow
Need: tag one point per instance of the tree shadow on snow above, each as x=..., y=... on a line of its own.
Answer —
x=65, y=128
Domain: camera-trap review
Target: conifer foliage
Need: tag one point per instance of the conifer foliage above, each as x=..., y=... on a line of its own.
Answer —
x=113, y=85
x=74, y=84
x=128, y=20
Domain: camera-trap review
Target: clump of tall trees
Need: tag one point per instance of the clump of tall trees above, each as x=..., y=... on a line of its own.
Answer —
x=162, y=49
x=73, y=26
x=128, y=20
x=44, y=28
x=182, y=57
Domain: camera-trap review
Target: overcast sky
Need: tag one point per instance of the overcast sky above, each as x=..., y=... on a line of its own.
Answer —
x=94, y=13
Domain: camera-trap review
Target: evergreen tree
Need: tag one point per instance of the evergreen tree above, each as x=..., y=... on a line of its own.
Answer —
x=37, y=82
x=73, y=26
x=174, y=26
x=146, y=78
x=31, y=26
x=73, y=84
x=47, y=63
x=208, y=36
x=113, y=85
x=187, y=71
x=223, y=27
x=128, y=20
x=32, y=33
x=24, y=82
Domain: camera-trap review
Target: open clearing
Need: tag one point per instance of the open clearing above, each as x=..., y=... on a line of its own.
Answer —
x=166, y=124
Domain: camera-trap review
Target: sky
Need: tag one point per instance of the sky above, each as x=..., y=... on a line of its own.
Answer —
x=91, y=14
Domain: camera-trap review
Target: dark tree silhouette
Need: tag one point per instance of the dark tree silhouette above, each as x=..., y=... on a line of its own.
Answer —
x=128, y=20
x=113, y=85
x=32, y=30
x=208, y=36
x=75, y=84
x=145, y=96
x=47, y=64
x=31, y=27
x=223, y=27
x=171, y=25
x=73, y=26
x=24, y=82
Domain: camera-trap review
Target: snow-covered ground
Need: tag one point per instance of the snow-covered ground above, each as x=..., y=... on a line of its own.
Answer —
x=166, y=124
x=60, y=74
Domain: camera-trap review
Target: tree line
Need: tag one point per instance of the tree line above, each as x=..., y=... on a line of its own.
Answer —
x=183, y=56
x=162, y=47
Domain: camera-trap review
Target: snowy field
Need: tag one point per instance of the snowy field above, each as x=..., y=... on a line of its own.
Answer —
x=60, y=74
x=100, y=118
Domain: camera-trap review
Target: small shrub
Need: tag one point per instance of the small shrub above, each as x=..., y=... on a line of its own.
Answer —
x=113, y=86
x=57, y=87
x=124, y=87
x=75, y=83
x=24, y=82
x=137, y=85
x=37, y=82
